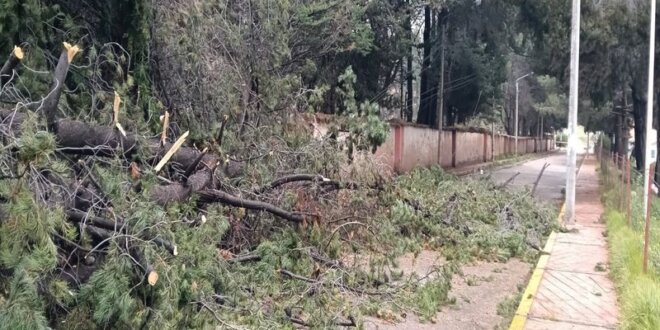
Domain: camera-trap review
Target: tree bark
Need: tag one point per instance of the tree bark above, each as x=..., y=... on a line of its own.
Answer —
x=656, y=177
x=425, y=95
x=59, y=76
x=639, y=109
x=215, y=196
x=76, y=137
x=440, y=104
x=409, y=68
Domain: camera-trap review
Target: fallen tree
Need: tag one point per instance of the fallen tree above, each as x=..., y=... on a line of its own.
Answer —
x=76, y=176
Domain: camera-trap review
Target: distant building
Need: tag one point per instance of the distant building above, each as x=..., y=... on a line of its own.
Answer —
x=654, y=143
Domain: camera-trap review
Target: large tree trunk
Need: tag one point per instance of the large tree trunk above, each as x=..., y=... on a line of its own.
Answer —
x=409, y=69
x=639, y=108
x=657, y=128
x=440, y=104
x=424, y=115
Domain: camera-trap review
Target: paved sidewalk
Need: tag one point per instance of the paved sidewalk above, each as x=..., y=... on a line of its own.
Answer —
x=575, y=291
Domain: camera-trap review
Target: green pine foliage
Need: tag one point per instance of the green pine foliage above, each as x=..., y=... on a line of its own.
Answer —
x=466, y=220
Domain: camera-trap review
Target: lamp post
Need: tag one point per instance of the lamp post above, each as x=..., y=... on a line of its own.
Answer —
x=648, y=162
x=515, y=126
x=571, y=153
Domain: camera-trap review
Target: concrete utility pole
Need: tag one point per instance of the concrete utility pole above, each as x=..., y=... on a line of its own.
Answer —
x=649, y=132
x=515, y=126
x=571, y=153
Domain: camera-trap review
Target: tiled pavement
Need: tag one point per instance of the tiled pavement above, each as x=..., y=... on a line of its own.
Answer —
x=575, y=291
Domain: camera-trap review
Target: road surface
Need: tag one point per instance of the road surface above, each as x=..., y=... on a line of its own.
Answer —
x=552, y=182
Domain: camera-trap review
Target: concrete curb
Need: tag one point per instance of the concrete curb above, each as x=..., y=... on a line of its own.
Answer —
x=520, y=318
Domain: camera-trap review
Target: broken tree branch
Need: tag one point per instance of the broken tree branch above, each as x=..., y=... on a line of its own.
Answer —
x=80, y=138
x=166, y=125
x=175, y=147
x=81, y=216
x=192, y=167
x=288, y=179
x=7, y=71
x=221, y=133
x=213, y=196
x=313, y=281
x=340, y=323
x=105, y=228
x=61, y=71
x=508, y=181
x=243, y=258
x=538, y=179
x=317, y=178
x=177, y=192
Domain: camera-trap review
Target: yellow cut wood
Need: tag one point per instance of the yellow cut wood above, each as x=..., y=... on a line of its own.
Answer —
x=175, y=147
x=166, y=123
x=18, y=52
x=71, y=51
x=152, y=278
x=115, y=108
x=121, y=129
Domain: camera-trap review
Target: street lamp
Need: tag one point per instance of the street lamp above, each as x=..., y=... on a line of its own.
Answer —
x=516, y=122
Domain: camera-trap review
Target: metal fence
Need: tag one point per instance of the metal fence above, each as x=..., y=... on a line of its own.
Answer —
x=624, y=185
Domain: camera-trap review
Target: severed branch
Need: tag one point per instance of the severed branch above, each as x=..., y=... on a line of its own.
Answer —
x=313, y=281
x=245, y=257
x=508, y=181
x=176, y=192
x=166, y=125
x=217, y=196
x=288, y=179
x=192, y=167
x=150, y=273
x=340, y=323
x=61, y=71
x=173, y=149
x=538, y=179
x=321, y=180
x=105, y=228
x=169, y=246
x=80, y=138
x=81, y=216
x=12, y=62
x=325, y=261
x=221, y=133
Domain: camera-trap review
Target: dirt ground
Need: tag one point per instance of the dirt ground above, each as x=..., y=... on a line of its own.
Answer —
x=477, y=292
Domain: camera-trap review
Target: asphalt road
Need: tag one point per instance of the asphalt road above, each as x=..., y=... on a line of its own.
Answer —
x=552, y=182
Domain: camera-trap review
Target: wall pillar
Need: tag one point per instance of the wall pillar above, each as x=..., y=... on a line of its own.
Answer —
x=485, y=158
x=398, y=147
x=453, y=148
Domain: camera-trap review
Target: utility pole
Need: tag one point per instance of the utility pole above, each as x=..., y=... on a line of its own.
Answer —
x=571, y=153
x=515, y=125
x=649, y=133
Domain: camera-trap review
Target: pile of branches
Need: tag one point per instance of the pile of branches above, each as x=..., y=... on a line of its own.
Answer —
x=162, y=169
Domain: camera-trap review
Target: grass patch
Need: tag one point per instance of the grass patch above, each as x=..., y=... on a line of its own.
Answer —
x=639, y=293
x=507, y=308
